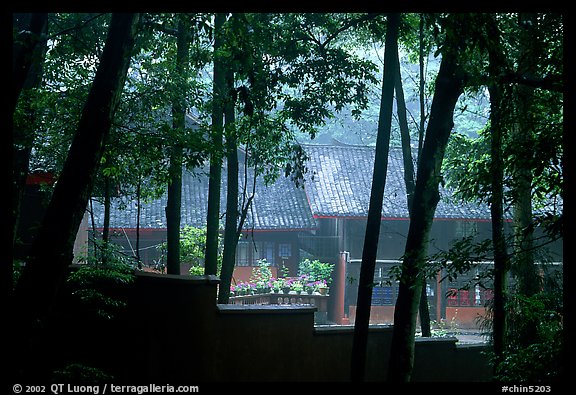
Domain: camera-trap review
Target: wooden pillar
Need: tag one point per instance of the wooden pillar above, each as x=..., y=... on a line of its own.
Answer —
x=338, y=289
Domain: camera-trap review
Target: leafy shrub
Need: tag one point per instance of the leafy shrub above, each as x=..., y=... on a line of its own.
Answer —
x=98, y=286
x=535, y=334
x=316, y=270
x=78, y=373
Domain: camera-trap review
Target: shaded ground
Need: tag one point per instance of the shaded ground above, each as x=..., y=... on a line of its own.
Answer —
x=464, y=336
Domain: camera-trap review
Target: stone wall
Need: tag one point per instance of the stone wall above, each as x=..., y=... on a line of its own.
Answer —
x=174, y=332
x=274, y=343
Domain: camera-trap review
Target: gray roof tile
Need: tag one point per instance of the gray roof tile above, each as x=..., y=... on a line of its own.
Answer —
x=338, y=184
x=280, y=206
x=340, y=180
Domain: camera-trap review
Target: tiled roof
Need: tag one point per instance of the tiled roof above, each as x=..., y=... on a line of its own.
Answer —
x=340, y=179
x=280, y=206
x=338, y=184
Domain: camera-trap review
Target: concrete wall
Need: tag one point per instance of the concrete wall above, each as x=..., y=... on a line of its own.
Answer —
x=174, y=331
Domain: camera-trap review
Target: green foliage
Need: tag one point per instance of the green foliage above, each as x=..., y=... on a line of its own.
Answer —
x=261, y=277
x=316, y=270
x=192, y=245
x=98, y=287
x=468, y=175
x=261, y=272
x=541, y=358
x=17, y=267
x=193, y=248
x=464, y=255
x=444, y=328
x=79, y=373
x=105, y=252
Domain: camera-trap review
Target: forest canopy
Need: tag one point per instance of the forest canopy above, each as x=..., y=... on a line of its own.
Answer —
x=117, y=105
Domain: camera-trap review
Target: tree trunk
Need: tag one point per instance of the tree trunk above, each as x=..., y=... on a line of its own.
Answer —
x=497, y=214
x=52, y=250
x=230, y=228
x=173, y=211
x=174, y=202
x=410, y=185
x=30, y=28
x=421, y=88
x=106, y=223
x=214, y=186
x=23, y=135
x=522, y=135
x=426, y=196
x=365, y=284
x=138, y=212
x=497, y=64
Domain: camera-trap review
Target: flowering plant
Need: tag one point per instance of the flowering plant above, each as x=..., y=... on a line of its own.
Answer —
x=297, y=285
x=277, y=284
x=243, y=289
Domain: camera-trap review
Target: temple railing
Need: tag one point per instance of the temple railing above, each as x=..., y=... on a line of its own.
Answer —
x=291, y=298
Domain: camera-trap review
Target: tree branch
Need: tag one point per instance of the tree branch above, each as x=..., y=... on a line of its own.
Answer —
x=550, y=82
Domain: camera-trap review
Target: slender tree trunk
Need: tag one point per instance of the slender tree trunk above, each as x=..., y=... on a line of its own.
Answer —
x=426, y=196
x=173, y=208
x=424, y=308
x=230, y=228
x=421, y=88
x=53, y=248
x=501, y=260
x=410, y=185
x=174, y=203
x=138, y=212
x=522, y=135
x=106, y=222
x=498, y=241
x=214, y=186
x=365, y=284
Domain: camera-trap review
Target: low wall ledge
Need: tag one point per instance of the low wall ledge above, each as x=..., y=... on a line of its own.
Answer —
x=198, y=280
x=436, y=340
x=348, y=329
x=466, y=346
x=264, y=309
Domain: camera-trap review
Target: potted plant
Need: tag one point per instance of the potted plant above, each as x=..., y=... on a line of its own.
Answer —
x=287, y=286
x=297, y=286
x=277, y=284
x=317, y=271
x=310, y=287
x=322, y=287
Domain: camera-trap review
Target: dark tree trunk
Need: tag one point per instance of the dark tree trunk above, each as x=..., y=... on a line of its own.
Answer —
x=426, y=196
x=366, y=280
x=106, y=223
x=230, y=228
x=214, y=186
x=410, y=185
x=23, y=135
x=498, y=240
x=523, y=267
x=173, y=207
x=421, y=87
x=174, y=203
x=52, y=251
x=501, y=260
x=28, y=35
x=138, y=212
